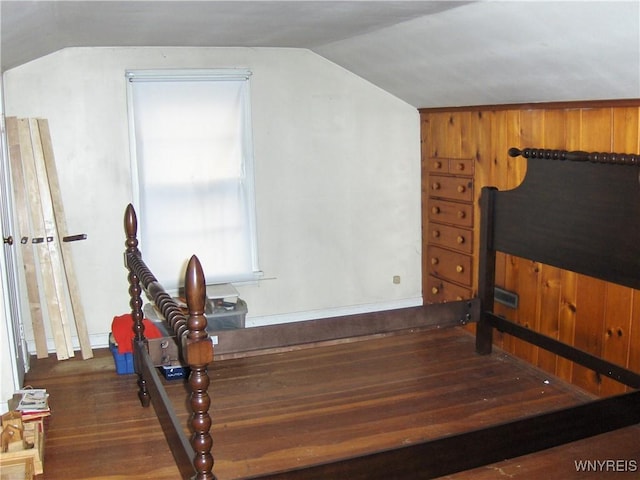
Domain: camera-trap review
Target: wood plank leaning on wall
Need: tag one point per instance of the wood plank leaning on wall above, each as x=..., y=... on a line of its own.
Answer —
x=46, y=252
x=64, y=239
x=601, y=318
x=48, y=268
x=23, y=226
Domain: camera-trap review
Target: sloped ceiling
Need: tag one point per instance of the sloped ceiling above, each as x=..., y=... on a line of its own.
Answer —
x=428, y=53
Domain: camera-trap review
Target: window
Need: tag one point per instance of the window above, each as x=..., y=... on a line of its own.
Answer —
x=192, y=164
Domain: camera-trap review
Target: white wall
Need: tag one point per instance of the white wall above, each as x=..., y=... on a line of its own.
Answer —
x=337, y=176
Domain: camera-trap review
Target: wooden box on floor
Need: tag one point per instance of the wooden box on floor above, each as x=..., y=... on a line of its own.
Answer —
x=33, y=433
x=17, y=469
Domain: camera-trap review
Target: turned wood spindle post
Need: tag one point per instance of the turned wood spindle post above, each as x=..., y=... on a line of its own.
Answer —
x=135, y=293
x=198, y=353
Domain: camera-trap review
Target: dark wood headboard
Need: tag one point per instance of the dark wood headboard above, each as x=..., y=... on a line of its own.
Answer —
x=575, y=210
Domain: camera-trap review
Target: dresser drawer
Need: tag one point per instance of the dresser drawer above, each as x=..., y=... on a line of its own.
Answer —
x=460, y=214
x=453, y=166
x=440, y=165
x=461, y=167
x=454, y=266
x=454, y=188
x=439, y=291
x=451, y=237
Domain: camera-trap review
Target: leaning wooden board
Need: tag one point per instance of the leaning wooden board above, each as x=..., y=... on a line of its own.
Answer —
x=62, y=230
x=28, y=256
x=47, y=251
x=41, y=213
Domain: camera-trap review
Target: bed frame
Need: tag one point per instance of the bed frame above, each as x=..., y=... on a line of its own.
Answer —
x=193, y=457
x=570, y=211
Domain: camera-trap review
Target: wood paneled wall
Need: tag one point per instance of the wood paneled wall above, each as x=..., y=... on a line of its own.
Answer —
x=599, y=317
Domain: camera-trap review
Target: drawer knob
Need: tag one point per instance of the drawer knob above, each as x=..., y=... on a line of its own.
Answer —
x=460, y=239
x=435, y=290
x=458, y=298
x=434, y=261
x=435, y=186
x=435, y=210
x=437, y=165
x=435, y=233
x=460, y=167
x=461, y=189
x=461, y=214
x=459, y=268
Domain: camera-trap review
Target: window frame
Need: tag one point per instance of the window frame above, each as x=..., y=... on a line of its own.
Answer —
x=248, y=180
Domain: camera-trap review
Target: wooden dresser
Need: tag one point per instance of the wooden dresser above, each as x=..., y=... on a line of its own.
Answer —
x=449, y=230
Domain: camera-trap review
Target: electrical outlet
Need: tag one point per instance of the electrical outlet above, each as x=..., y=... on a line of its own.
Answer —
x=396, y=279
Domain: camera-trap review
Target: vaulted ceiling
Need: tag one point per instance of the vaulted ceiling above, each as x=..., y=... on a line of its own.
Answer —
x=428, y=53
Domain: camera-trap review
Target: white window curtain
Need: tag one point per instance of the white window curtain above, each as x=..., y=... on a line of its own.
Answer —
x=193, y=172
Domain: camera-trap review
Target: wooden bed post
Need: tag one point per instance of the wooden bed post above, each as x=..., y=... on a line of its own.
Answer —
x=135, y=291
x=196, y=350
x=198, y=353
x=486, y=270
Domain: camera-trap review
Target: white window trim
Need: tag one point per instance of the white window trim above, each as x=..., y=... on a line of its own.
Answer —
x=204, y=75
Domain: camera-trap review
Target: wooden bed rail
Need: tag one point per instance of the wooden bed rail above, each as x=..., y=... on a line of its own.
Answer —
x=194, y=459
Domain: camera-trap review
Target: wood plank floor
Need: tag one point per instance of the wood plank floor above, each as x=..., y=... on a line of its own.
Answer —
x=310, y=405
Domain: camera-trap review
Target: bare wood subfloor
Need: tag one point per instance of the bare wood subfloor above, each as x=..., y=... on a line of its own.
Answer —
x=310, y=405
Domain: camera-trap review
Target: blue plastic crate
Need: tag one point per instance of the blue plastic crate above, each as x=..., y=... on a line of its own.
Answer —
x=123, y=361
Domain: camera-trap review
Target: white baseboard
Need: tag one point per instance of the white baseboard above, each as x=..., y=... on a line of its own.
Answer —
x=97, y=340
x=101, y=340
